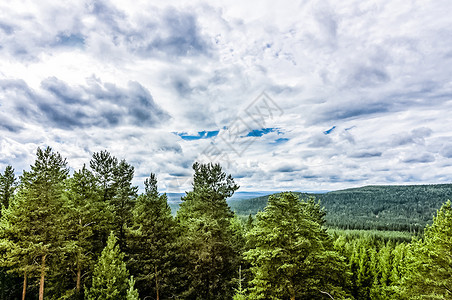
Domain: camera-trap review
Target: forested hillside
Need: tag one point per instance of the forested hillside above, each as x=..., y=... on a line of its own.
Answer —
x=405, y=208
x=91, y=235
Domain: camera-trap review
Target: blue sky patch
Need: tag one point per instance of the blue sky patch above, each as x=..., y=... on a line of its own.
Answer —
x=261, y=132
x=280, y=141
x=201, y=135
x=329, y=130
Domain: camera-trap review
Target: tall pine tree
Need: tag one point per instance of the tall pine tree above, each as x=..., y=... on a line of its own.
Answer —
x=153, y=249
x=292, y=257
x=32, y=225
x=7, y=186
x=212, y=257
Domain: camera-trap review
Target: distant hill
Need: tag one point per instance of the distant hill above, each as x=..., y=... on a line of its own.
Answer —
x=406, y=207
x=174, y=199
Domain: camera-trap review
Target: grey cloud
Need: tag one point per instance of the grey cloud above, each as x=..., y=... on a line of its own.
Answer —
x=319, y=141
x=61, y=90
x=367, y=76
x=182, y=36
x=6, y=28
x=423, y=158
x=287, y=169
x=350, y=110
x=88, y=106
x=366, y=154
x=446, y=151
x=416, y=136
x=9, y=125
x=182, y=86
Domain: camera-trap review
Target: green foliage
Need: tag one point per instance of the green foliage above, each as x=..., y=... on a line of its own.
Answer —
x=124, y=199
x=7, y=186
x=292, y=255
x=212, y=258
x=87, y=215
x=55, y=229
x=110, y=277
x=31, y=227
x=429, y=274
x=152, y=246
x=132, y=293
x=400, y=208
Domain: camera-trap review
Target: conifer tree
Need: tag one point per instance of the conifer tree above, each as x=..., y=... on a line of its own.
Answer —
x=110, y=276
x=87, y=213
x=429, y=274
x=291, y=257
x=7, y=186
x=132, y=293
x=32, y=225
x=212, y=258
x=123, y=201
x=103, y=165
x=153, y=250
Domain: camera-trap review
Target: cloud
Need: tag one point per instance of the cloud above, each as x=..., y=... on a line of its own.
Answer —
x=109, y=75
x=93, y=105
x=366, y=154
x=423, y=158
x=416, y=136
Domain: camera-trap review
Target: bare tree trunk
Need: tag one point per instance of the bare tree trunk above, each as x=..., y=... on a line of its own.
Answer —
x=156, y=283
x=24, y=290
x=41, y=282
x=79, y=278
x=292, y=297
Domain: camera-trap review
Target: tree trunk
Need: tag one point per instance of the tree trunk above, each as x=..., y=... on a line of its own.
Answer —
x=79, y=277
x=24, y=290
x=41, y=282
x=156, y=283
x=292, y=297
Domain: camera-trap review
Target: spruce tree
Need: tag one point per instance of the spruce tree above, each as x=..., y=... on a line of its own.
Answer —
x=110, y=276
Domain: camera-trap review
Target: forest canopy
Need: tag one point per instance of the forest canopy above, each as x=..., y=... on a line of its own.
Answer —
x=92, y=235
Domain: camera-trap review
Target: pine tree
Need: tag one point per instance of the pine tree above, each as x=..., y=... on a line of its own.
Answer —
x=153, y=250
x=123, y=201
x=429, y=274
x=32, y=224
x=212, y=258
x=291, y=257
x=7, y=186
x=110, y=276
x=103, y=164
x=132, y=293
x=87, y=213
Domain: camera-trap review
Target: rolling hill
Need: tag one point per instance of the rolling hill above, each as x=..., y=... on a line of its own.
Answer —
x=406, y=207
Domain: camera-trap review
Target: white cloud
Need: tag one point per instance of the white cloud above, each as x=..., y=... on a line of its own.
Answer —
x=73, y=77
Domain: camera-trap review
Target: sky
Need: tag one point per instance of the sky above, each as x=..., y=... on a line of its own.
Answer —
x=285, y=95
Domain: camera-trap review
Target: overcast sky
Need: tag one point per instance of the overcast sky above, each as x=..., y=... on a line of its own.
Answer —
x=355, y=92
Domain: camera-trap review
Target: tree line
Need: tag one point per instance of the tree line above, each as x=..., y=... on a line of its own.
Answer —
x=397, y=208
x=91, y=235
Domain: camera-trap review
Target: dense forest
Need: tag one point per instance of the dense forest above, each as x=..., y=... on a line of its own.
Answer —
x=401, y=207
x=91, y=235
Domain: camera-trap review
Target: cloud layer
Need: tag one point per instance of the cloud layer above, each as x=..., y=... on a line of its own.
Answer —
x=358, y=92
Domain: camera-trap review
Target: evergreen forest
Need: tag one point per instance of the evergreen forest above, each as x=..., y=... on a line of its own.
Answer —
x=90, y=234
